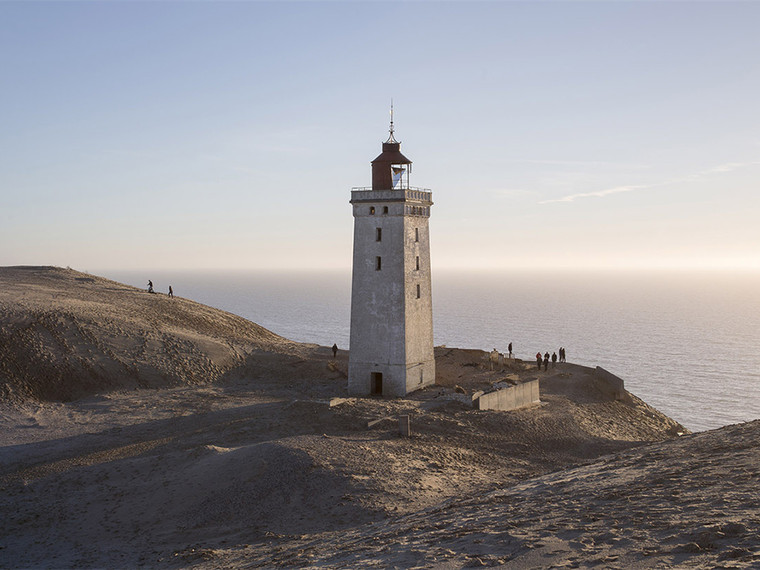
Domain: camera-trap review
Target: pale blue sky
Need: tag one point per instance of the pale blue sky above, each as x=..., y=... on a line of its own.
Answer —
x=229, y=134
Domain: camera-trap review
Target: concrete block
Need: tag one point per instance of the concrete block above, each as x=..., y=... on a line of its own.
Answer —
x=509, y=398
x=611, y=384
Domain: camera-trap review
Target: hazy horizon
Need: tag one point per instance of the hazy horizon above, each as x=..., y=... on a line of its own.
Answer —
x=673, y=336
x=436, y=269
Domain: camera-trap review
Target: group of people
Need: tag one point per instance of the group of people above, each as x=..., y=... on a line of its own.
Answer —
x=150, y=288
x=497, y=358
x=554, y=358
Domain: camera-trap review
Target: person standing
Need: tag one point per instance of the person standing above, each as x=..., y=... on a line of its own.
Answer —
x=335, y=350
x=546, y=361
x=538, y=360
x=509, y=348
x=554, y=359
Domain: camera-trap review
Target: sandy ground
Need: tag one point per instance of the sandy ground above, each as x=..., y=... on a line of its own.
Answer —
x=191, y=437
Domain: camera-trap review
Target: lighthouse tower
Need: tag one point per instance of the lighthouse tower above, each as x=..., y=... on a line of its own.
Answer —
x=391, y=350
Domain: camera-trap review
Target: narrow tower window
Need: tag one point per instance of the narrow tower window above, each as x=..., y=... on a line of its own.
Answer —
x=378, y=234
x=416, y=234
x=385, y=209
x=378, y=263
x=418, y=263
x=418, y=291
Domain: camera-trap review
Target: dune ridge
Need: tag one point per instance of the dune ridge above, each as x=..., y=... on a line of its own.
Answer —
x=66, y=334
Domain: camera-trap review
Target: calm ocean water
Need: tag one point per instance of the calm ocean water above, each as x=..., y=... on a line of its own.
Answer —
x=688, y=343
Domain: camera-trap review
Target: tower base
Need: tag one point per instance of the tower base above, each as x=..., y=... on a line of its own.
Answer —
x=370, y=379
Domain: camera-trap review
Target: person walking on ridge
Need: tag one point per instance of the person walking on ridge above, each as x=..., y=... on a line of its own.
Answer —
x=171, y=293
x=538, y=360
x=335, y=350
x=150, y=286
x=509, y=348
x=546, y=361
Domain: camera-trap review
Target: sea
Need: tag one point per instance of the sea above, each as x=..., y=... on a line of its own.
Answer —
x=686, y=342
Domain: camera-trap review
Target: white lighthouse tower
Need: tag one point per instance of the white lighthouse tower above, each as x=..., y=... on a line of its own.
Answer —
x=391, y=350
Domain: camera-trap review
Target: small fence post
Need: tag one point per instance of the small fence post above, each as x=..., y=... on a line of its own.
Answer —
x=404, y=426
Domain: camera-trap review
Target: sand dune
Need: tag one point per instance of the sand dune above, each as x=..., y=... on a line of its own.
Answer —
x=138, y=430
x=691, y=502
x=65, y=335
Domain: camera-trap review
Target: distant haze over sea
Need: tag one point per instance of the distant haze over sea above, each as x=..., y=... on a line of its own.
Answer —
x=688, y=343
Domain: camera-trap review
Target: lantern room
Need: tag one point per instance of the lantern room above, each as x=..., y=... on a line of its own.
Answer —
x=390, y=170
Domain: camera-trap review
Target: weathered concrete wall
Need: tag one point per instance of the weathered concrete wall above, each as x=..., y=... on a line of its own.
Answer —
x=391, y=323
x=377, y=302
x=420, y=359
x=509, y=398
x=610, y=384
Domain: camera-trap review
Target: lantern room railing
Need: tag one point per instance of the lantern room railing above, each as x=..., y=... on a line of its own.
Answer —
x=410, y=193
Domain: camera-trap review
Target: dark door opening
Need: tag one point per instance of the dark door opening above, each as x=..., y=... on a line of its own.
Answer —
x=376, y=383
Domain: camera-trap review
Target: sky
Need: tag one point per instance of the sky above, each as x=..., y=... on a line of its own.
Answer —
x=228, y=135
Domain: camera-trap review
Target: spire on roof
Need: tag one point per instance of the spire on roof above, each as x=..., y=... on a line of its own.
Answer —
x=390, y=130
